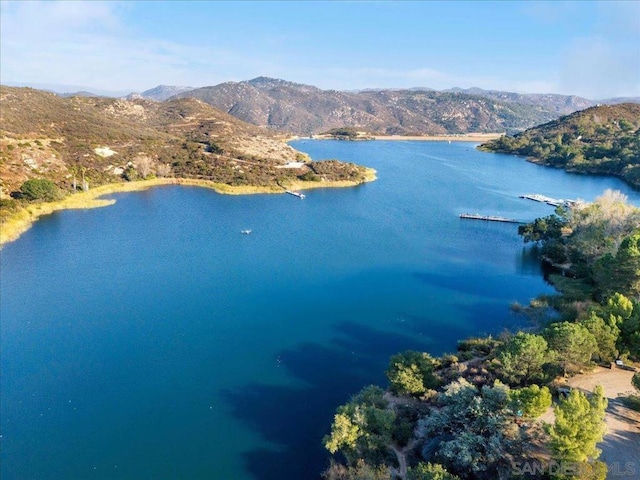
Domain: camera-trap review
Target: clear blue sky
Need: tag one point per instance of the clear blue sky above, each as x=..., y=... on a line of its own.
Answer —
x=585, y=48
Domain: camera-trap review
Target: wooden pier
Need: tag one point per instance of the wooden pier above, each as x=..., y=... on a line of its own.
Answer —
x=488, y=218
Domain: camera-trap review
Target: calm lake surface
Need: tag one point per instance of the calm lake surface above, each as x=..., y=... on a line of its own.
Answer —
x=152, y=340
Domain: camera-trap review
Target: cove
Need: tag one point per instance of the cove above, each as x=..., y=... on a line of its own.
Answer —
x=151, y=339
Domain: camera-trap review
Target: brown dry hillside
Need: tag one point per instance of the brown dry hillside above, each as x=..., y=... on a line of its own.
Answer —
x=114, y=140
x=305, y=109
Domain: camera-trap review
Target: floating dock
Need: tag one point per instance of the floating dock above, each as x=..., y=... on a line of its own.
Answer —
x=554, y=202
x=295, y=194
x=488, y=218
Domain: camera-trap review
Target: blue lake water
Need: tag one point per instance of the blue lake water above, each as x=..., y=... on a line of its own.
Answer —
x=152, y=340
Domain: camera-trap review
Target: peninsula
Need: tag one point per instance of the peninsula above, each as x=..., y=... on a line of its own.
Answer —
x=58, y=153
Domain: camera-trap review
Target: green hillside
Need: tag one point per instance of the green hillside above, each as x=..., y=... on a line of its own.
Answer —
x=602, y=140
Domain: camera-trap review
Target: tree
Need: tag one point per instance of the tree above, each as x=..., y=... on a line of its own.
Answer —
x=131, y=174
x=430, y=471
x=543, y=229
x=629, y=338
x=163, y=170
x=144, y=165
x=620, y=273
x=573, y=345
x=635, y=381
x=411, y=373
x=605, y=334
x=40, y=189
x=85, y=183
x=578, y=427
x=599, y=227
x=362, y=428
x=531, y=401
x=620, y=305
x=522, y=358
x=361, y=471
x=344, y=433
x=473, y=434
x=74, y=172
x=628, y=263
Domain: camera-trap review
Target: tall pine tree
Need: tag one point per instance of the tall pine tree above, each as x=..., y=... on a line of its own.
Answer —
x=578, y=427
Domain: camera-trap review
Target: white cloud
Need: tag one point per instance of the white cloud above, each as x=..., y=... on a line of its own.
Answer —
x=595, y=68
x=84, y=43
x=40, y=21
x=87, y=43
x=602, y=59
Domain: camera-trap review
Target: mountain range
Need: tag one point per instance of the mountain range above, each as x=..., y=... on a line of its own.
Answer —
x=300, y=109
x=305, y=110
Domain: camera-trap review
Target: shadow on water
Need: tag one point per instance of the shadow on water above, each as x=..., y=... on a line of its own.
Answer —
x=481, y=284
x=295, y=419
x=433, y=331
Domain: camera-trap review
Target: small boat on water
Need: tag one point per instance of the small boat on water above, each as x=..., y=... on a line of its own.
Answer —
x=295, y=194
x=245, y=232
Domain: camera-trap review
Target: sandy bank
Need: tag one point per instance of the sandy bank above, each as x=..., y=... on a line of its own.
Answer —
x=21, y=221
x=463, y=137
x=467, y=137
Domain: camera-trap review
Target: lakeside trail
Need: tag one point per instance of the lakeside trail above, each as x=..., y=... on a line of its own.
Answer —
x=21, y=221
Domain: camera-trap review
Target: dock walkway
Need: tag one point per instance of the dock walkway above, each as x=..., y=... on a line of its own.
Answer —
x=554, y=202
x=295, y=194
x=489, y=218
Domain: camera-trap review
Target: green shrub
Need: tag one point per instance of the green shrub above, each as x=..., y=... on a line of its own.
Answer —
x=40, y=189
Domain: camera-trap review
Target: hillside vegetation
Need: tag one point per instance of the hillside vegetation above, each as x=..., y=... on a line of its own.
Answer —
x=603, y=140
x=306, y=110
x=553, y=102
x=105, y=140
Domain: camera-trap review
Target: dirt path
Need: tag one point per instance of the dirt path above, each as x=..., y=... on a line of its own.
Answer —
x=621, y=445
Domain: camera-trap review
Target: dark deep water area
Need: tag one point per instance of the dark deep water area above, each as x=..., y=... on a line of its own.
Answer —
x=151, y=340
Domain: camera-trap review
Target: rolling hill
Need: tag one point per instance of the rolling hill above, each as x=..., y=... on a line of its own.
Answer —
x=109, y=140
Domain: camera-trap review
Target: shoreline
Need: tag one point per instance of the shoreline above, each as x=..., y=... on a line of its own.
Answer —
x=21, y=221
x=464, y=137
